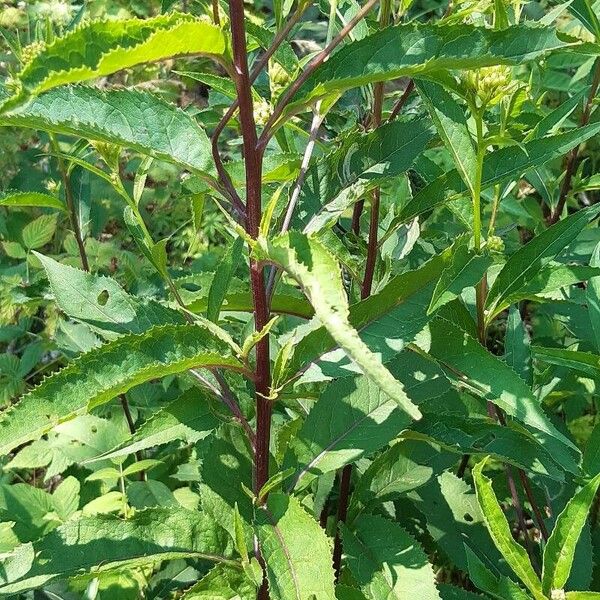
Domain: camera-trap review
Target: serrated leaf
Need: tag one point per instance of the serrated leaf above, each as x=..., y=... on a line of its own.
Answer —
x=517, y=346
x=223, y=274
x=386, y=561
x=16, y=198
x=340, y=179
x=488, y=377
x=148, y=536
x=99, y=48
x=451, y=124
x=130, y=118
x=188, y=418
x=105, y=372
x=583, y=362
x=506, y=163
x=352, y=417
x=527, y=261
x=559, y=551
x=499, y=529
x=466, y=270
x=296, y=551
x=39, y=232
x=222, y=583
x=101, y=302
x=418, y=49
x=309, y=262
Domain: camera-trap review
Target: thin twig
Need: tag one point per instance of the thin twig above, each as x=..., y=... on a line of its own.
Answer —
x=226, y=396
x=316, y=62
x=308, y=152
x=70, y=200
x=573, y=155
x=279, y=38
x=132, y=430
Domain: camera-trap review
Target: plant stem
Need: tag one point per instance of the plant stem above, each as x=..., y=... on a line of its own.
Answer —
x=66, y=181
x=316, y=62
x=573, y=155
x=226, y=182
x=131, y=425
x=378, y=97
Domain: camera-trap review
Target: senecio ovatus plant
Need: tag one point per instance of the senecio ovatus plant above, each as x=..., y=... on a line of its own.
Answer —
x=403, y=328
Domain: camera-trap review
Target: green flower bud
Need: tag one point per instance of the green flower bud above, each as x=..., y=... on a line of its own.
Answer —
x=495, y=244
x=30, y=52
x=489, y=84
x=262, y=111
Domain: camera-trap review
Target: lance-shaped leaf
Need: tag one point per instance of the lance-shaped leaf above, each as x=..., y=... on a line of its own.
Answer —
x=386, y=322
x=353, y=417
x=592, y=294
x=417, y=49
x=517, y=346
x=478, y=436
x=223, y=275
x=360, y=163
x=105, y=372
x=318, y=273
x=100, y=48
x=499, y=529
x=296, y=551
x=451, y=124
x=386, y=561
x=466, y=270
x=130, y=118
x=583, y=362
x=188, y=418
x=506, y=163
x=470, y=364
x=17, y=198
x=102, y=303
x=560, y=548
x=223, y=582
x=104, y=542
x=587, y=12
x=528, y=260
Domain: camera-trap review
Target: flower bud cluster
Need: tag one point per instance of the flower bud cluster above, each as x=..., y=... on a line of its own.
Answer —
x=489, y=84
x=495, y=244
x=28, y=53
x=262, y=111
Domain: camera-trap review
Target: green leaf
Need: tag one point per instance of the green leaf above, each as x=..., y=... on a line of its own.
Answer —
x=517, y=346
x=222, y=278
x=560, y=548
x=100, y=48
x=188, y=418
x=15, y=198
x=363, y=161
x=296, y=551
x=471, y=435
x=386, y=561
x=451, y=124
x=113, y=369
x=592, y=294
x=528, y=260
x=499, y=529
x=586, y=12
x=591, y=454
x=309, y=262
x=582, y=595
x=130, y=118
x=102, y=303
x=471, y=364
x=449, y=592
x=509, y=162
x=386, y=322
x=222, y=583
x=466, y=269
x=418, y=49
x=351, y=418
x=148, y=536
x=583, y=362
x=39, y=232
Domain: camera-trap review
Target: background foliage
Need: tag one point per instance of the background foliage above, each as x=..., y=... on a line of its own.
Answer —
x=400, y=401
